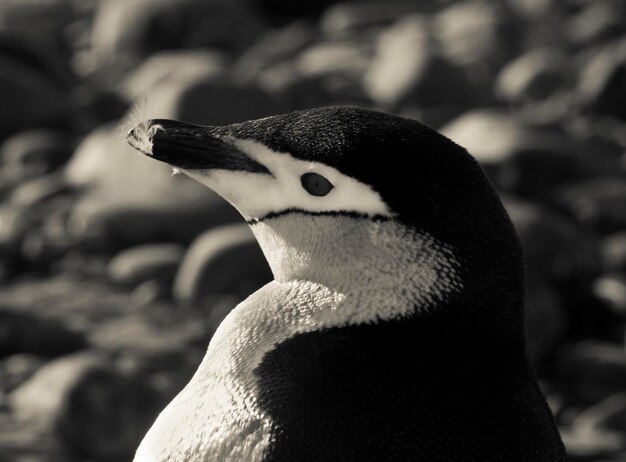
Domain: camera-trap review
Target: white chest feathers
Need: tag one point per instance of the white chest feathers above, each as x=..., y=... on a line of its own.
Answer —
x=216, y=417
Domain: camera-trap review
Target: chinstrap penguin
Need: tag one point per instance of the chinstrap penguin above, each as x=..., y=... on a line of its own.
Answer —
x=394, y=328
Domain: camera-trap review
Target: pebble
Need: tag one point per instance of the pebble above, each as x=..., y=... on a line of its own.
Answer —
x=528, y=160
x=477, y=34
x=546, y=319
x=597, y=204
x=405, y=69
x=555, y=248
x=166, y=66
x=225, y=260
x=130, y=199
x=591, y=370
x=614, y=252
x=206, y=100
x=16, y=368
x=611, y=290
x=95, y=412
x=600, y=82
x=350, y=17
x=133, y=30
x=30, y=97
x=147, y=262
x=23, y=332
x=31, y=153
x=533, y=76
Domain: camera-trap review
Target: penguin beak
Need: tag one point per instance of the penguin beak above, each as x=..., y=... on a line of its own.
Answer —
x=190, y=147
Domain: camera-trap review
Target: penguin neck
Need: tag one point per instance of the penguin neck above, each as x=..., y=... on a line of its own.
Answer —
x=360, y=257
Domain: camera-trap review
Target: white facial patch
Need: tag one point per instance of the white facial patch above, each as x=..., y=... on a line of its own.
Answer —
x=257, y=195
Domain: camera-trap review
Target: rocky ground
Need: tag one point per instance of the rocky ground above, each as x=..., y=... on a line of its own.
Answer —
x=115, y=274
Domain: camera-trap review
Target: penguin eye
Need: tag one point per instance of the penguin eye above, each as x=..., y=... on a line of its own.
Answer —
x=315, y=184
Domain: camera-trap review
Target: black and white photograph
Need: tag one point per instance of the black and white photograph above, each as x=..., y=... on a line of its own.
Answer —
x=312, y=231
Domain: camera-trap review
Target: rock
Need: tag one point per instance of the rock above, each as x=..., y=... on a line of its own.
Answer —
x=227, y=260
x=275, y=46
x=589, y=371
x=596, y=22
x=284, y=9
x=30, y=97
x=477, y=34
x=350, y=16
x=16, y=368
x=28, y=333
x=597, y=204
x=140, y=334
x=614, y=252
x=546, y=320
x=133, y=30
x=406, y=69
x=555, y=248
x=146, y=262
x=95, y=412
x=38, y=190
x=14, y=223
x=211, y=101
x=611, y=290
x=598, y=430
x=165, y=66
x=527, y=160
x=20, y=442
x=601, y=85
x=45, y=19
x=131, y=199
x=349, y=59
x=32, y=153
x=295, y=91
x=533, y=76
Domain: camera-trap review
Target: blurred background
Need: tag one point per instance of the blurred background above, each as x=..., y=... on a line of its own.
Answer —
x=114, y=275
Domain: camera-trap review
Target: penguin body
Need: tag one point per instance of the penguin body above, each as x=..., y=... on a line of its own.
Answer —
x=394, y=327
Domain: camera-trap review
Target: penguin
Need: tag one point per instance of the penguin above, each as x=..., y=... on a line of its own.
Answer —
x=394, y=327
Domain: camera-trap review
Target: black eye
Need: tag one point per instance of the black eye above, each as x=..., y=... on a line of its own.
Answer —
x=315, y=184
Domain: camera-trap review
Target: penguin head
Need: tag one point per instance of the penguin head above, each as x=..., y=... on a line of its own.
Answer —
x=318, y=174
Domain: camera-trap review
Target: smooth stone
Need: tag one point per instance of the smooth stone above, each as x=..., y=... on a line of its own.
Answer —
x=590, y=370
x=225, y=260
x=17, y=368
x=351, y=16
x=30, y=98
x=275, y=46
x=530, y=161
x=130, y=199
x=600, y=88
x=38, y=190
x=597, y=204
x=477, y=34
x=532, y=76
x=24, y=332
x=597, y=22
x=405, y=68
x=344, y=58
x=146, y=262
x=132, y=30
x=34, y=152
x=555, y=248
x=142, y=334
x=183, y=65
x=95, y=412
x=208, y=100
x=610, y=289
x=546, y=319
x=614, y=252
x=43, y=18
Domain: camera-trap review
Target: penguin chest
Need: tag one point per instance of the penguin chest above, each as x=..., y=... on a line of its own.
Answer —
x=217, y=415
